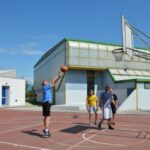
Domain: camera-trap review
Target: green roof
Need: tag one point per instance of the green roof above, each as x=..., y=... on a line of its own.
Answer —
x=94, y=42
x=101, y=43
x=77, y=40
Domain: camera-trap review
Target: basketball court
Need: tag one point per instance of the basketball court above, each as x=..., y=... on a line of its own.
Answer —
x=22, y=130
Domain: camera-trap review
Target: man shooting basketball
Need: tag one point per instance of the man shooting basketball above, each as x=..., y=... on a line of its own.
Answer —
x=47, y=99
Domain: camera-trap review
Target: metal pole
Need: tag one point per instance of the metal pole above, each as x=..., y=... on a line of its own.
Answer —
x=54, y=96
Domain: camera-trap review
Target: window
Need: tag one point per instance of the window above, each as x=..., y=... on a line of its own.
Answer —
x=147, y=85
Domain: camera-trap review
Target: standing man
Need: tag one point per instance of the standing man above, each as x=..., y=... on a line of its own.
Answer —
x=92, y=105
x=47, y=102
x=105, y=104
x=114, y=107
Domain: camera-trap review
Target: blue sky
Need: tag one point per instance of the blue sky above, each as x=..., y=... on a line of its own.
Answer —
x=28, y=28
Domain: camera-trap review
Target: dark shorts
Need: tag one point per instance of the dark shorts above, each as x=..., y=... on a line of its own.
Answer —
x=46, y=109
x=114, y=109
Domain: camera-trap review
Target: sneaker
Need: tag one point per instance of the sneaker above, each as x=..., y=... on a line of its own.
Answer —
x=46, y=133
x=99, y=126
x=110, y=127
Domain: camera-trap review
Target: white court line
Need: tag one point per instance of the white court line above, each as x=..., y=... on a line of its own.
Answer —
x=102, y=143
x=76, y=145
x=25, y=146
x=127, y=129
x=12, y=120
x=19, y=122
x=132, y=125
x=24, y=127
x=133, y=116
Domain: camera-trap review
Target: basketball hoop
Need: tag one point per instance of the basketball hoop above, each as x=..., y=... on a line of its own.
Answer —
x=118, y=54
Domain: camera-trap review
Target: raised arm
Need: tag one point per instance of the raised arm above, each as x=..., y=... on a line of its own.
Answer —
x=55, y=79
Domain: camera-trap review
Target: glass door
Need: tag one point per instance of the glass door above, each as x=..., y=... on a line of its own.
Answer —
x=5, y=95
x=90, y=80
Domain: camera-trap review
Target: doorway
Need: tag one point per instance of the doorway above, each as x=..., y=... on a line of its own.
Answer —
x=90, y=80
x=5, y=95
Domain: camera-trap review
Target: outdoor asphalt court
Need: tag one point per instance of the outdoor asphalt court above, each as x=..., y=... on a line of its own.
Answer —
x=22, y=130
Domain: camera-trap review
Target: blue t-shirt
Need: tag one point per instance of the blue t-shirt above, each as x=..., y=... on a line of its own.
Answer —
x=105, y=99
x=47, y=93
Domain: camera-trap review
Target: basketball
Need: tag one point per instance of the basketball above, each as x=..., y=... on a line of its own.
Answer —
x=64, y=68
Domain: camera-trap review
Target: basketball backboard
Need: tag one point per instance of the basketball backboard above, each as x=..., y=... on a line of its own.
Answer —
x=130, y=35
x=127, y=37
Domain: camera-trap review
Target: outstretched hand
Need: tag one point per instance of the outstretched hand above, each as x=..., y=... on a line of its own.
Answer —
x=55, y=79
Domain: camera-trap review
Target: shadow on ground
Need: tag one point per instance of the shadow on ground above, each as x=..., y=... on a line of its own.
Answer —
x=77, y=129
x=33, y=133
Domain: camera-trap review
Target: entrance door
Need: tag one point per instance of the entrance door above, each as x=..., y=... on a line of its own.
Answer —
x=5, y=95
x=90, y=80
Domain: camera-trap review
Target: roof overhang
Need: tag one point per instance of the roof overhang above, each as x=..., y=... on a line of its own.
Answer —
x=121, y=75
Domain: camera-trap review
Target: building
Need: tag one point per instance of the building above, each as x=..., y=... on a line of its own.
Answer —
x=12, y=89
x=92, y=66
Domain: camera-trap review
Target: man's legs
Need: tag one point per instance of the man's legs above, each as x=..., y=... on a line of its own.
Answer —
x=95, y=118
x=107, y=113
x=101, y=121
x=95, y=111
x=113, y=119
x=90, y=116
x=100, y=124
x=46, y=121
x=113, y=115
x=109, y=124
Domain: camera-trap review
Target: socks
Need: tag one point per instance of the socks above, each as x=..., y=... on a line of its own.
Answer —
x=46, y=130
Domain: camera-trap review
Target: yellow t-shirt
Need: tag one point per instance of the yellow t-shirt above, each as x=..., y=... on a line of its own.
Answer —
x=92, y=100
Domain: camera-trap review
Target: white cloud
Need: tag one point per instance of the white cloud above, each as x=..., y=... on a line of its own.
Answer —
x=32, y=52
x=31, y=48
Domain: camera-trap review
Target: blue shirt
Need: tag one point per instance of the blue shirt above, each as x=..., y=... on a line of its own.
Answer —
x=47, y=93
x=105, y=99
